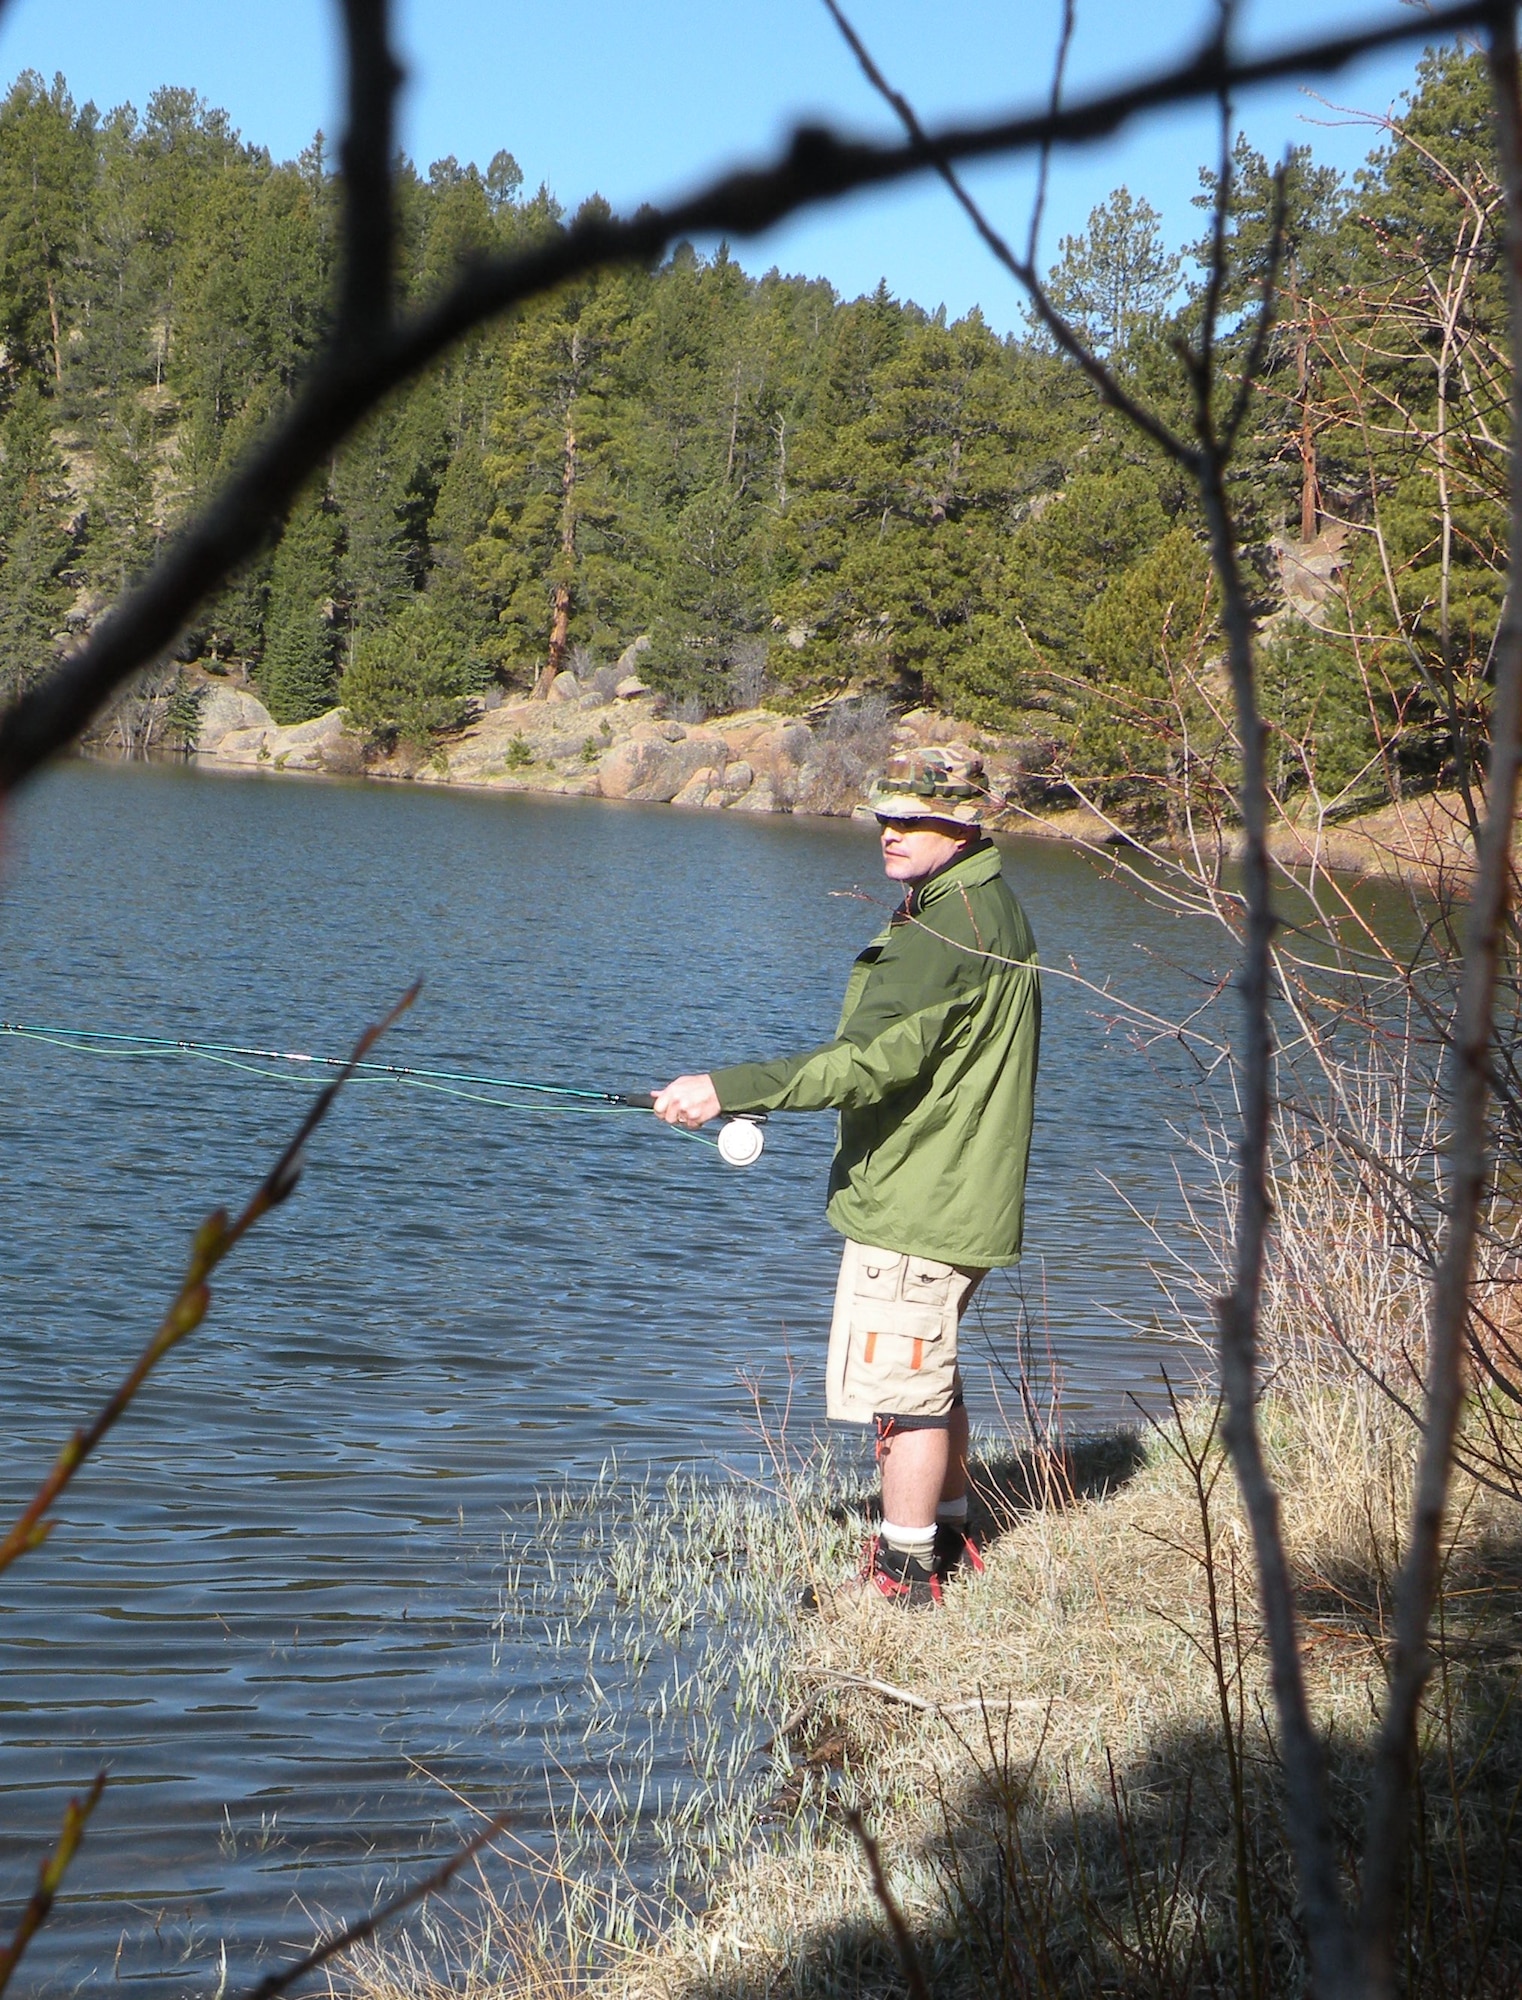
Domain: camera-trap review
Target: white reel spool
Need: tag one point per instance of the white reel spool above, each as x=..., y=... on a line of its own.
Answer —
x=741, y=1143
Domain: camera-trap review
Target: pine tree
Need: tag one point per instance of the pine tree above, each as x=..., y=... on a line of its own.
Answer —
x=35, y=543
x=45, y=175
x=1117, y=279
x=298, y=675
x=410, y=679
x=899, y=531
x=562, y=545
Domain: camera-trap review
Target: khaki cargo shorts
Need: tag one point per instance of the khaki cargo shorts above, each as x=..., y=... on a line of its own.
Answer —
x=893, y=1340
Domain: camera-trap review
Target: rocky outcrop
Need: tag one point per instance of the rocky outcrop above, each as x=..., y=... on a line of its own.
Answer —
x=226, y=709
x=760, y=798
x=587, y=743
x=301, y=746
x=659, y=763
x=1308, y=571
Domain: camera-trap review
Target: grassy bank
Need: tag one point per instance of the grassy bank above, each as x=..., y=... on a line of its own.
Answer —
x=1069, y=1770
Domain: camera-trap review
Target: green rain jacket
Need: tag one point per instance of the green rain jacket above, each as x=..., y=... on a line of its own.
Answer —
x=933, y=1072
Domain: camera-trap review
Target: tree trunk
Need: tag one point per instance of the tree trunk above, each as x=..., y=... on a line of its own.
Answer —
x=57, y=340
x=560, y=602
x=1310, y=485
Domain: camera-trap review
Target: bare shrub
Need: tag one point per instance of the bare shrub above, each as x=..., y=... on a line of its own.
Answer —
x=747, y=674
x=345, y=758
x=849, y=751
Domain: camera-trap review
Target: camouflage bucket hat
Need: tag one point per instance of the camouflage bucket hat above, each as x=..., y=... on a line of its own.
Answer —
x=931, y=785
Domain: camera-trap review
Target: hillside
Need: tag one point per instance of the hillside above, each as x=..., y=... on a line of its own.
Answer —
x=792, y=496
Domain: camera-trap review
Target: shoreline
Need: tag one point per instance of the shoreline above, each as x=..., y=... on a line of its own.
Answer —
x=627, y=749
x=1032, y=1765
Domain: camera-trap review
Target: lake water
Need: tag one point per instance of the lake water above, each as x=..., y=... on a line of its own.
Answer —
x=271, y=1598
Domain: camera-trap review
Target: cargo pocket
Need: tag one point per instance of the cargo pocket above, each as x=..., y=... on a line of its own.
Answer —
x=878, y=1274
x=926, y=1282
x=899, y=1358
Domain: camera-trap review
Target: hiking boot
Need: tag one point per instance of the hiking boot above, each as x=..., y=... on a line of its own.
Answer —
x=896, y=1576
x=955, y=1552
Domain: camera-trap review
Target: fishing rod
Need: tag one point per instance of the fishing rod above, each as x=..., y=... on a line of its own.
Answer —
x=739, y=1143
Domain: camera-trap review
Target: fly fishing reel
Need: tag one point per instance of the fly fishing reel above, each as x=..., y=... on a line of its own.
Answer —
x=741, y=1142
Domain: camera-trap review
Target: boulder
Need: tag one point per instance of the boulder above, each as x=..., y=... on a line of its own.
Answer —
x=564, y=687
x=697, y=789
x=1308, y=571
x=226, y=709
x=761, y=798
x=737, y=777
x=244, y=746
x=628, y=659
x=303, y=746
x=630, y=688
x=777, y=748
x=645, y=767
x=924, y=726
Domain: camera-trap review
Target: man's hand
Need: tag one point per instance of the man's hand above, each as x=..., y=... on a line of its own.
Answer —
x=689, y=1101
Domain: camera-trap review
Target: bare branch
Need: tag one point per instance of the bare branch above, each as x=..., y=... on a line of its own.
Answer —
x=1467, y=1150
x=1264, y=324
x=1043, y=168
x=1220, y=211
x=1110, y=389
x=213, y=1241
x=908, y=1957
x=49, y=1877
x=364, y=304
x=356, y=1933
x=818, y=166
x=1327, y=1934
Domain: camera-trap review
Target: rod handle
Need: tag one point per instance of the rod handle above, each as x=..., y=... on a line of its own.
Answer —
x=644, y=1100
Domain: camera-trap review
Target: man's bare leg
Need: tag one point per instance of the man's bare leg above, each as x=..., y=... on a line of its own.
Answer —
x=917, y=1466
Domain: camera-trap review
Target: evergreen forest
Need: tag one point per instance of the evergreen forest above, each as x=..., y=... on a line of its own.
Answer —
x=794, y=495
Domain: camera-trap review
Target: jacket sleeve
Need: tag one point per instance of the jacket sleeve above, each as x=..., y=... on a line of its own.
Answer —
x=914, y=1002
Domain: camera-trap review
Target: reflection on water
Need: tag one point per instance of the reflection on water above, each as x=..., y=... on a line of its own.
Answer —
x=278, y=1584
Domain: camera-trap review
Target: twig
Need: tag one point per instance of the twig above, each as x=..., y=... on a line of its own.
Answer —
x=1043, y=167
x=50, y=1875
x=982, y=1703
x=1328, y=1935
x=215, y=1238
x=1021, y=269
x=909, y=1958
x=348, y=381
x=282, y=1981
x=1467, y=1149
x=364, y=301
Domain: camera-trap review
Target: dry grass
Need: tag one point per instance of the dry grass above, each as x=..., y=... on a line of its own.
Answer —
x=1075, y=1830
x=1064, y=1817
x=1070, y=1770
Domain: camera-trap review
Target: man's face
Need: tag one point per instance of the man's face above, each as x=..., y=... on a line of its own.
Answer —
x=915, y=848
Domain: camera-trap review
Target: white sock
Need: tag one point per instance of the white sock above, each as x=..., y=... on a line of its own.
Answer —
x=908, y=1541
x=954, y=1511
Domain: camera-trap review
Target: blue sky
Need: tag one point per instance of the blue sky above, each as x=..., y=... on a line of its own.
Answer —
x=639, y=101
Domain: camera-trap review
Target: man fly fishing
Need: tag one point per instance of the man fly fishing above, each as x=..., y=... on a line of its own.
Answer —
x=933, y=1073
